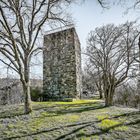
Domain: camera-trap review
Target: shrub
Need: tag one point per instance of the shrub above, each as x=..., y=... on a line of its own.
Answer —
x=35, y=93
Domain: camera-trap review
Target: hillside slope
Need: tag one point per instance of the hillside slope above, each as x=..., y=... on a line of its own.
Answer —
x=78, y=120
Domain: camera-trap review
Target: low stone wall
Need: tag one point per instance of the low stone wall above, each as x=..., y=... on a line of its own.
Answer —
x=11, y=90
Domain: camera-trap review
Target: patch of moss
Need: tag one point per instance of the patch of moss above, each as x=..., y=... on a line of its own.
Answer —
x=121, y=128
x=36, y=124
x=10, y=126
x=79, y=102
x=44, y=114
x=41, y=105
x=7, y=133
x=91, y=138
x=102, y=117
x=95, y=137
x=23, y=131
x=1, y=126
x=65, y=118
x=85, y=138
x=73, y=118
x=81, y=132
x=106, y=124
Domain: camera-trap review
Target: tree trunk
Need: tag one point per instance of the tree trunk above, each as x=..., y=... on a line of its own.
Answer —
x=98, y=85
x=27, y=99
x=109, y=97
x=101, y=95
x=108, y=101
x=26, y=87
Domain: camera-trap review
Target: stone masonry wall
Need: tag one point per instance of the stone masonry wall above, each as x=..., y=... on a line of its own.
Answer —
x=62, y=65
x=78, y=64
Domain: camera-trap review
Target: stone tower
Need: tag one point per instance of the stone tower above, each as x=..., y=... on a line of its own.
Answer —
x=62, y=64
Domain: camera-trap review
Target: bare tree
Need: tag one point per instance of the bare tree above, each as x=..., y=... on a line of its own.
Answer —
x=110, y=50
x=21, y=22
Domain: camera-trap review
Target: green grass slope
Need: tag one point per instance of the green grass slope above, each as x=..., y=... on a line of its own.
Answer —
x=77, y=120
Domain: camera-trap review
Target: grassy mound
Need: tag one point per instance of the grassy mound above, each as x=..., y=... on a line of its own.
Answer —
x=82, y=119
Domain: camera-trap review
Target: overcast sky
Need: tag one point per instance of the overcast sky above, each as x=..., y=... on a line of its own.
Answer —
x=90, y=15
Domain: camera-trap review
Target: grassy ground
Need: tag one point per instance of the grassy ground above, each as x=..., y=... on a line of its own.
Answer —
x=78, y=120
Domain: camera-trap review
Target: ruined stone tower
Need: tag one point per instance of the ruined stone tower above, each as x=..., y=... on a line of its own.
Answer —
x=62, y=64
